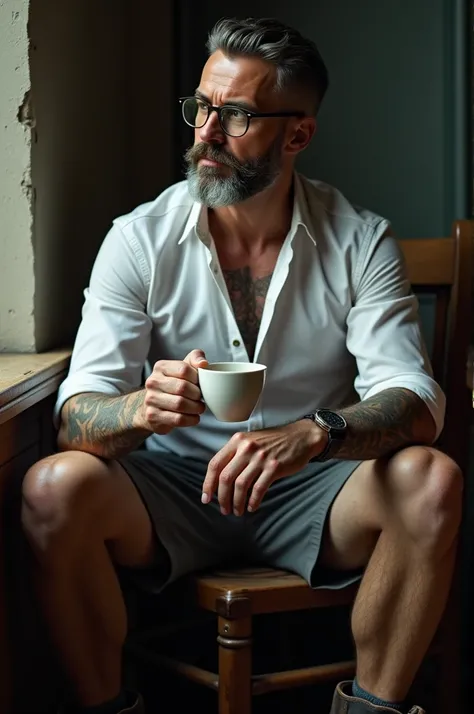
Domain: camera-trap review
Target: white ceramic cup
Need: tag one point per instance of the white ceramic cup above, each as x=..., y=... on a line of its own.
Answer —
x=231, y=390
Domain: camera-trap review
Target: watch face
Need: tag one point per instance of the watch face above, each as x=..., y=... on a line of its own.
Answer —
x=333, y=420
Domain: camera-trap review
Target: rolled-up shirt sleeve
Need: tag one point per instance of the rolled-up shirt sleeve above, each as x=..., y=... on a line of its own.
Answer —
x=113, y=339
x=384, y=332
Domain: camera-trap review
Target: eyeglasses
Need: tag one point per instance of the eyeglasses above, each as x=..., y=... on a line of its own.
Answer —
x=234, y=121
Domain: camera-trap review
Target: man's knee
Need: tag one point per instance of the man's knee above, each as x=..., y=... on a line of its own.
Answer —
x=428, y=487
x=58, y=498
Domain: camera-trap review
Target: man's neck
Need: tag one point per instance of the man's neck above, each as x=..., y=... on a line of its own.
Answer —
x=256, y=224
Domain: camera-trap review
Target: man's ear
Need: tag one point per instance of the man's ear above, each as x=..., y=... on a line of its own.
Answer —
x=301, y=135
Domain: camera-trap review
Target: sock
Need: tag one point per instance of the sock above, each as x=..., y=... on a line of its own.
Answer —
x=113, y=706
x=357, y=691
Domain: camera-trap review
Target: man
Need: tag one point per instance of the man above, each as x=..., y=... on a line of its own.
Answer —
x=334, y=473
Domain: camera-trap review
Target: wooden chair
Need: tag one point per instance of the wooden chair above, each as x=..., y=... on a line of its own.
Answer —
x=440, y=267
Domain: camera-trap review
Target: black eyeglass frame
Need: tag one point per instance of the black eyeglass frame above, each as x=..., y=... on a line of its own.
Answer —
x=249, y=114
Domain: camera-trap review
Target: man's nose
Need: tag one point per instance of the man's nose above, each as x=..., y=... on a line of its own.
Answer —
x=212, y=132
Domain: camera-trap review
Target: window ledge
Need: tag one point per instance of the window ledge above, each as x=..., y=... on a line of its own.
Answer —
x=26, y=379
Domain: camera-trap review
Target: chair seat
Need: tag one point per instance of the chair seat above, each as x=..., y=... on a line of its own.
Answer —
x=268, y=589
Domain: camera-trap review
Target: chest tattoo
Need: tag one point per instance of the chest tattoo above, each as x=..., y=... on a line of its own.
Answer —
x=247, y=295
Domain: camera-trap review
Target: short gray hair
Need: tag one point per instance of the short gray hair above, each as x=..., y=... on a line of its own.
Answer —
x=297, y=60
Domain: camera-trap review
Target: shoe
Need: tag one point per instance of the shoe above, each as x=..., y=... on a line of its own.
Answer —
x=344, y=703
x=137, y=708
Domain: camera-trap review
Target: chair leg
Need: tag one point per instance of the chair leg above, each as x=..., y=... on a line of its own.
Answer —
x=235, y=655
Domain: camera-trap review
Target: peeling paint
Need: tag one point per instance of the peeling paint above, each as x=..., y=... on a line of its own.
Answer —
x=16, y=193
x=27, y=185
x=26, y=114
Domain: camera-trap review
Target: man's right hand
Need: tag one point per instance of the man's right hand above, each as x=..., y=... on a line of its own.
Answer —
x=172, y=395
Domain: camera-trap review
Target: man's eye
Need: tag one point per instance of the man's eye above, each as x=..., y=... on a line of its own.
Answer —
x=238, y=114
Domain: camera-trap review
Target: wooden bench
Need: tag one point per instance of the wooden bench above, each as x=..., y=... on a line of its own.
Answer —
x=439, y=267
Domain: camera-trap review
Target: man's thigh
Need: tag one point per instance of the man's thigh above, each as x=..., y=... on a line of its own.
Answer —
x=289, y=527
x=192, y=536
x=353, y=523
x=383, y=493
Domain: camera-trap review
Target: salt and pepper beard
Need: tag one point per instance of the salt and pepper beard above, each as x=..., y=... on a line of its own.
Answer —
x=211, y=187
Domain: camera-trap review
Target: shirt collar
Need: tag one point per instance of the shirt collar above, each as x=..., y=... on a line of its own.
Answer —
x=198, y=219
x=301, y=215
x=197, y=216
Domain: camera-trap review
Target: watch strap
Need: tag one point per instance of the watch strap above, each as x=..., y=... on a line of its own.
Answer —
x=325, y=453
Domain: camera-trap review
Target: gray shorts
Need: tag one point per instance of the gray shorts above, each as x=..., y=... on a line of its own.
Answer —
x=285, y=532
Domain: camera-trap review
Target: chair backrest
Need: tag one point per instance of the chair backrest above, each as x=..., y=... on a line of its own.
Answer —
x=443, y=268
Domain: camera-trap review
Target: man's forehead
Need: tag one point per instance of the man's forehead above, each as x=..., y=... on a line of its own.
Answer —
x=248, y=77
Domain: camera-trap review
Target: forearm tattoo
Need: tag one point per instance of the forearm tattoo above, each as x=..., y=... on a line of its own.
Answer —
x=102, y=425
x=384, y=423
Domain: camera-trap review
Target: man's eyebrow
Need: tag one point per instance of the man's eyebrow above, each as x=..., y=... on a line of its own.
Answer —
x=246, y=106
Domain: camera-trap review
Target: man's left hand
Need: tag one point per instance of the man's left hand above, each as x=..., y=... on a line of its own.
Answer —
x=254, y=460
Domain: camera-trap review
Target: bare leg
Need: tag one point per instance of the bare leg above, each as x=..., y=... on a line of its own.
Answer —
x=402, y=517
x=80, y=514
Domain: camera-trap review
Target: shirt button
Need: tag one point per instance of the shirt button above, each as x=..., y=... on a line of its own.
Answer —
x=236, y=343
x=216, y=270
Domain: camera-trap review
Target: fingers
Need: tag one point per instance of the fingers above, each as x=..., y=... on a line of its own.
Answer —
x=167, y=373
x=216, y=464
x=162, y=422
x=196, y=358
x=244, y=467
x=172, y=395
x=173, y=377
x=243, y=485
x=260, y=487
x=236, y=482
x=237, y=470
x=173, y=403
x=162, y=387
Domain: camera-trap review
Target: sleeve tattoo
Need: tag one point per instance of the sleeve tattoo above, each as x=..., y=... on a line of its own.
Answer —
x=384, y=423
x=101, y=425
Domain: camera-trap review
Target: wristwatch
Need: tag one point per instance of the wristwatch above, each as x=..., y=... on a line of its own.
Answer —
x=334, y=424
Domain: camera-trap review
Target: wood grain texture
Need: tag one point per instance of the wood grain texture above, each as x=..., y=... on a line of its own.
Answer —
x=26, y=379
x=23, y=371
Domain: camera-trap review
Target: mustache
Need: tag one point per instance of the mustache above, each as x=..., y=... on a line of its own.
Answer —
x=213, y=153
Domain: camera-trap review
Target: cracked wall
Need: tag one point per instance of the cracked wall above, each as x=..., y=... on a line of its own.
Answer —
x=88, y=140
x=17, y=285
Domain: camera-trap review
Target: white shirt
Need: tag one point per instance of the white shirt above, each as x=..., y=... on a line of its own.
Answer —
x=340, y=322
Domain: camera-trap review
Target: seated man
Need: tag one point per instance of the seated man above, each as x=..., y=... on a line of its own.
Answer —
x=333, y=475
